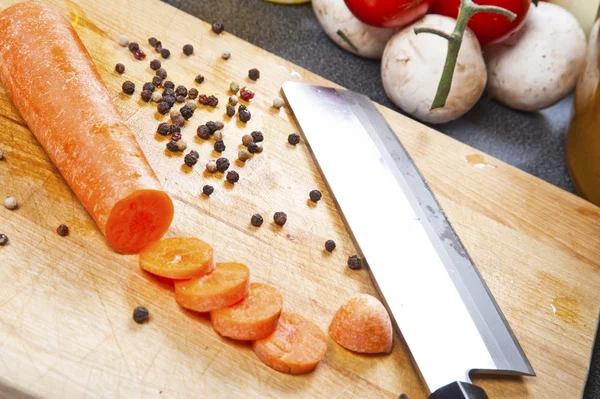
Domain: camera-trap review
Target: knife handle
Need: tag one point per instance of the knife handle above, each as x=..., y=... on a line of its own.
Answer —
x=459, y=390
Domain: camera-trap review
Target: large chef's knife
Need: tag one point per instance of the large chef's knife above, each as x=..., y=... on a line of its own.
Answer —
x=443, y=308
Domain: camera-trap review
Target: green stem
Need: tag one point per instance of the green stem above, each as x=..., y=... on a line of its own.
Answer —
x=466, y=11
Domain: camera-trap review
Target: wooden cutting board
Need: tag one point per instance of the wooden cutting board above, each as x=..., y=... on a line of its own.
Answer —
x=66, y=303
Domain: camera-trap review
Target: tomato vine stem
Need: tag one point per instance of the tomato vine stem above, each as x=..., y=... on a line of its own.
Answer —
x=466, y=11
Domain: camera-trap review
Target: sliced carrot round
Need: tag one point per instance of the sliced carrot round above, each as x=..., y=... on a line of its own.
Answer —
x=362, y=325
x=226, y=285
x=179, y=258
x=254, y=317
x=296, y=346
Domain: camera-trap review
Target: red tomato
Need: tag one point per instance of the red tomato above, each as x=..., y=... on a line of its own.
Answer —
x=389, y=13
x=488, y=27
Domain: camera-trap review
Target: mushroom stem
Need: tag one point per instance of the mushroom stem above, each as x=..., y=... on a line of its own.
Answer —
x=466, y=11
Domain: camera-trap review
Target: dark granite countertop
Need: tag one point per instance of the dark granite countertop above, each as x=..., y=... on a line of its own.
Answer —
x=533, y=142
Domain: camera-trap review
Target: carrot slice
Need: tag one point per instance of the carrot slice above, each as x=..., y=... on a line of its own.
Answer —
x=296, y=346
x=76, y=123
x=254, y=317
x=179, y=258
x=226, y=285
x=362, y=325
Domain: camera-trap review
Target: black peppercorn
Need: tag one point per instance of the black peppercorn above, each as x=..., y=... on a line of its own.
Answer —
x=133, y=47
x=163, y=129
x=141, y=315
x=244, y=114
x=152, y=41
x=222, y=164
x=180, y=99
x=212, y=126
x=158, y=46
x=172, y=146
x=156, y=81
x=354, y=262
x=186, y=112
x=163, y=107
x=329, y=245
x=155, y=64
x=146, y=95
x=120, y=68
x=165, y=53
x=169, y=100
x=148, y=86
x=170, y=85
x=162, y=73
x=181, y=91
x=230, y=111
x=62, y=230
x=208, y=190
x=218, y=27
x=280, y=218
x=174, y=129
x=169, y=92
x=3, y=240
x=315, y=195
x=199, y=78
x=188, y=49
x=233, y=176
x=191, y=158
x=254, y=74
x=213, y=101
x=176, y=136
x=219, y=146
x=128, y=87
x=257, y=136
x=203, y=132
x=192, y=93
x=252, y=147
x=293, y=139
x=256, y=220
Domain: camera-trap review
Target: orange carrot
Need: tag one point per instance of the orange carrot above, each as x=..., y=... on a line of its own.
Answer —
x=179, y=258
x=296, y=346
x=226, y=285
x=362, y=325
x=252, y=318
x=52, y=81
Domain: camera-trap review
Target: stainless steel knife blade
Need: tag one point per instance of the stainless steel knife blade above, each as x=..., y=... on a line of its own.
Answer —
x=436, y=296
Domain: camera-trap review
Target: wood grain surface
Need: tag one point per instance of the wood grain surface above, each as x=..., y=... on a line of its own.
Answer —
x=66, y=302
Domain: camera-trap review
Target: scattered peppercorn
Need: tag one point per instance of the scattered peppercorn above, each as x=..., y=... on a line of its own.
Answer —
x=158, y=47
x=123, y=41
x=218, y=27
x=175, y=128
x=152, y=41
x=172, y=146
x=254, y=74
x=211, y=166
x=181, y=91
x=62, y=230
x=253, y=147
x=208, y=190
x=170, y=100
x=139, y=55
x=329, y=245
x=213, y=101
x=120, y=68
x=226, y=54
x=180, y=99
x=278, y=102
x=199, y=78
x=161, y=72
x=222, y=164
x=178, y=120
x=259, y=148
x=128, y=87
x=219, y=124
x=203, y=99
x=212, y=126
x=186, y=112
x=293, y=139
x=141, y=315
x=234, y=87
x=181, y=145
x=170, y=85
x=191, y=104
x=156, y=97
x=163, y=129
x=192, y=93
x=191, y=158
x=148, y=86
x=203, y=132
x=219, y=146
x=218, y=135
x=163, y=107
x=188, y=49
x=244, y=114
x=315, y=195
x=169, y=92
x=257, y=136
x=146, y=95
x=176, y=136
x=280, y=218
x=246, y=94
x=3, y=239
x=247, y=139
x=233, y=100
x=233, y=176
x=133, y=47
x=155, y=64
x=256, y=220
x=354, y=262
x=156, y=81
x=243, y=155
x=174, y=113
x=230, y=111
x=165, y=53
